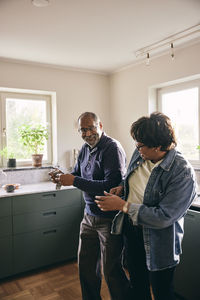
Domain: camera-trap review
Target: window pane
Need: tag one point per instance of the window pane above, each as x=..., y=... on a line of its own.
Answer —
x=182, y=108
x=19, y=112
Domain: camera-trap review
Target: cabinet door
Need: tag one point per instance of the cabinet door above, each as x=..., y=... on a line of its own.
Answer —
x=46, y=218
x=5, y=256
x=40, y=248
x=43, y=201
x=5, y=226
x=46, y=231
x=187, y=272
x=5, y=237
x=5, y=207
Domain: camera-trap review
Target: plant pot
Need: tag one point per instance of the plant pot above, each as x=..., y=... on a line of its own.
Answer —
x=11, y=163
x=37, y=160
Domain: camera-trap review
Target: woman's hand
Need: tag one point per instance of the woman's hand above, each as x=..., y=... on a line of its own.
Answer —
x=118, y=190
x=109, y=202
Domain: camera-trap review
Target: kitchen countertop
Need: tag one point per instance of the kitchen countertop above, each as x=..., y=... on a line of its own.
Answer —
x=40, y=187
x=48, y=186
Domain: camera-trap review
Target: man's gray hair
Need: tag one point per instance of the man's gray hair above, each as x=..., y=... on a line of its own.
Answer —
x=91, y=115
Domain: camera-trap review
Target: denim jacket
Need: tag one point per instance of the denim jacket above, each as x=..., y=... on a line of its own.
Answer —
x=170, y=191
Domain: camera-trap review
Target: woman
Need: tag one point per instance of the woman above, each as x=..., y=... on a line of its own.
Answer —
x=158, y=189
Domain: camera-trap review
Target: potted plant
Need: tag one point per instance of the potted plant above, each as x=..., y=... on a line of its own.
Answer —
x=10, y=156
x=33, y=137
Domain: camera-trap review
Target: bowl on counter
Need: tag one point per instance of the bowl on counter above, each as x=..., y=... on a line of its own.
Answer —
x=10, y=187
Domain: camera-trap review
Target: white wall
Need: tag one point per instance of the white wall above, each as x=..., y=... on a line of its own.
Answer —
x=129, y=89
x=76, y=92
x=119, y=99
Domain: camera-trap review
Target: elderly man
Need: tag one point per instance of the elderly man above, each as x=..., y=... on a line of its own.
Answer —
x=100, y=166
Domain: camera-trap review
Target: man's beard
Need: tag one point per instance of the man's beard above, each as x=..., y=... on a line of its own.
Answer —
x=92, y=140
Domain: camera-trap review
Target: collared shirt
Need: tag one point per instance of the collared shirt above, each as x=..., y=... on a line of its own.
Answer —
x=170, y=190
x=98, y=170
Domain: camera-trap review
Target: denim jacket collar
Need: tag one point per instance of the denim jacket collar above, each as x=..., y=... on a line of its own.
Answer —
x=165, y=164
x=168, y=160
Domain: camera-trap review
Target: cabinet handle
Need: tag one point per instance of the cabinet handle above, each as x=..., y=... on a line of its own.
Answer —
x=49, y=195
x=49, y=213
x=50, y=231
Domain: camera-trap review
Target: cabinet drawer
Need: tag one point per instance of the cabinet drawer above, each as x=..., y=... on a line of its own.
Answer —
x=5, y=226
x=186, y=277
x=47, y=218
x=44, y=247
x=5, y=207
x=5, y=256
x=43, y=201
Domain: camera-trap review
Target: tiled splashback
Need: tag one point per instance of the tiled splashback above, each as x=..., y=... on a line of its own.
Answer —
x=35, y=175
x=24, y=176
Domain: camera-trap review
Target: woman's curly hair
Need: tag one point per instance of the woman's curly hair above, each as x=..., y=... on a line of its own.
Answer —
x=154, y=131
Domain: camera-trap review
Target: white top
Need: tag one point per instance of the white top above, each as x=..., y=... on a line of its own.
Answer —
x=138, y=180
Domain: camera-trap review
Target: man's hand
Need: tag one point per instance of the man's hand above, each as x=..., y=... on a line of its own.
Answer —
x=55, y=174
x=118, y=190
x=66, y=179
x=109, y=202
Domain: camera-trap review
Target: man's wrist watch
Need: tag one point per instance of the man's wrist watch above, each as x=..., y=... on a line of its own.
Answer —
x=125, y=208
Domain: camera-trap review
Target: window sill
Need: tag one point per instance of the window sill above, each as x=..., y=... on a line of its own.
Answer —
x=22, y=168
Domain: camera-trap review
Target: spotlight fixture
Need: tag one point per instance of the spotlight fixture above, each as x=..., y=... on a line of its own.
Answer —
x=40, y=3
x=147, y=59
x=172, y=51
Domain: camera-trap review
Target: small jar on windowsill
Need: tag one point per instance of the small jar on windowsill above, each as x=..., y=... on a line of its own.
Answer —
x=11, y=163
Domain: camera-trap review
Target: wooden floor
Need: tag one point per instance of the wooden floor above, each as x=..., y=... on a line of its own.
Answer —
x=52, y=283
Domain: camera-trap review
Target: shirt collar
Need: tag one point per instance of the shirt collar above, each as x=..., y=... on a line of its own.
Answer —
x=98, y=145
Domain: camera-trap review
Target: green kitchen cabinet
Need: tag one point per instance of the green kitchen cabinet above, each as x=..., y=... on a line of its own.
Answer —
x=39, y=229
x=5, y=237
x=186, y=279
x=46, y=228
x=44, y=247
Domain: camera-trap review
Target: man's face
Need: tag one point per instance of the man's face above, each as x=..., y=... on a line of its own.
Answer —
x=90, y=131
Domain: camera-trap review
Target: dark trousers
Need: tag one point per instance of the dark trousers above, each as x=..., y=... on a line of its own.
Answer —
x=141, y=278
x=100, y=251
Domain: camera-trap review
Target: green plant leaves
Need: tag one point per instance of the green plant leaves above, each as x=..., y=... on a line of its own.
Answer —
x=33, y=137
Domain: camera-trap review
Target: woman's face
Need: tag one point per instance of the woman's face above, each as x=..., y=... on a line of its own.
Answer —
x=148, y=153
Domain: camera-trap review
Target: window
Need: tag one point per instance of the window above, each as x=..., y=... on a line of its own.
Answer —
x=18, y=109
x=182, y=104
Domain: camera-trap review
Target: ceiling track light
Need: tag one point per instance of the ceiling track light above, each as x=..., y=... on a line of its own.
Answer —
x=161, y=46
x=147, y=59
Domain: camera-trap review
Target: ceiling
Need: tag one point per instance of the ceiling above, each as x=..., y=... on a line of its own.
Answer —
x=96, y=35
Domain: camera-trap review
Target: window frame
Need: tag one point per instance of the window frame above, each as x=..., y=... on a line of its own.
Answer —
x=175, y=88
x=26, y=96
